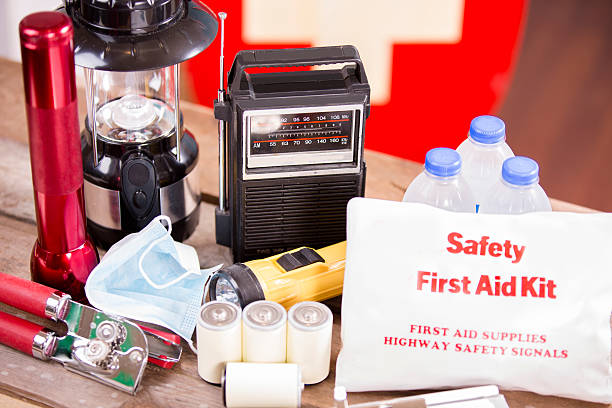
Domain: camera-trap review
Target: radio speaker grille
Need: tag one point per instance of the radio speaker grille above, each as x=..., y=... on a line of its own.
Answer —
x=289, y=214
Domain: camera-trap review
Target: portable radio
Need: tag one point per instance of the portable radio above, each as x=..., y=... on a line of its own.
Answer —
x=290, y=149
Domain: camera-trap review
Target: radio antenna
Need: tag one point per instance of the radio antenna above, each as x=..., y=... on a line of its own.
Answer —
x=221, y=99
x=222, y=17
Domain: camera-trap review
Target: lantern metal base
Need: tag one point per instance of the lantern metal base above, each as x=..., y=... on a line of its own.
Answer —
x=111, y=190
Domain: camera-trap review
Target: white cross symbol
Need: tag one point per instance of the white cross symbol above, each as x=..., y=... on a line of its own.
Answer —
x=372, y=26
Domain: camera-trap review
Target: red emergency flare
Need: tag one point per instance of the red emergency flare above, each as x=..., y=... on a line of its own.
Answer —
x=63, y=255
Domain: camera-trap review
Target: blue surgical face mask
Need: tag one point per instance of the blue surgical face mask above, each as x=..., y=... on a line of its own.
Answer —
x=147, y=276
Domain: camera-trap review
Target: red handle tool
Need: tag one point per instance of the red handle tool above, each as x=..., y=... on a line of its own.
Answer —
x=50, y=303
x=23, y=335
x=33, y=297
x=164, y=348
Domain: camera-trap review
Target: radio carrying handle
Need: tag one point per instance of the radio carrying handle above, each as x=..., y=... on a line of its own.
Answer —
x=294, y=57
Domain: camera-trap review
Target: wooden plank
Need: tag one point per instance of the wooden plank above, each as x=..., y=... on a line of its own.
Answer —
x=387, y=176
x=14, y=401
x=50, y=384
x=180, y=387
x=17, y=198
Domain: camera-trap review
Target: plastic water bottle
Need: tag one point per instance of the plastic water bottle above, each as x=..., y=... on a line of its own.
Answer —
x=483, y=153
x=441, y=183
x=517, y=191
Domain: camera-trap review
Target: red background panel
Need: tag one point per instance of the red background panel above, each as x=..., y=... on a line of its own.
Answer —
x=436, y=89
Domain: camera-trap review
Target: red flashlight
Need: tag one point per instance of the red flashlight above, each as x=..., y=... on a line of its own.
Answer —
x=63, y=255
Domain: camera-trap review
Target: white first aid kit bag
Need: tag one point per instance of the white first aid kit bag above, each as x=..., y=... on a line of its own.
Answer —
x=436, y=299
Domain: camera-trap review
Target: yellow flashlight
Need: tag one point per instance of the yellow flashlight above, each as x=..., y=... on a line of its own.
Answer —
x=288, y=278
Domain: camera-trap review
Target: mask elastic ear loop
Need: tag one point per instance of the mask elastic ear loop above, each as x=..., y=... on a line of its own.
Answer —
x=148, y=249
x=168, y=225
x=207, y=285
x=206, y=290
x=192, y=347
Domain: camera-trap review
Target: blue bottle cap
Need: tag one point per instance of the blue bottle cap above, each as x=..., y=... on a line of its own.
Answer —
x=520, y=171
x=487, y=129
x=443, y=162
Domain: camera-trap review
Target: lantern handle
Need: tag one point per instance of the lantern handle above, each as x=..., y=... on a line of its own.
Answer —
x=177, y=113
x=92, y=116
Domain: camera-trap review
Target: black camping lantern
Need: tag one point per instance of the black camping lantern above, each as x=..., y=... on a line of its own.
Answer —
x=138, y=160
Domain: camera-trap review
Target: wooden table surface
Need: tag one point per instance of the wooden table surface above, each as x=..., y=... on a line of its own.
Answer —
x=27, y=382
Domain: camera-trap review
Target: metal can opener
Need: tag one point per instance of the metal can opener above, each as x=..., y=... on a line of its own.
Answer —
x=107, y=349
